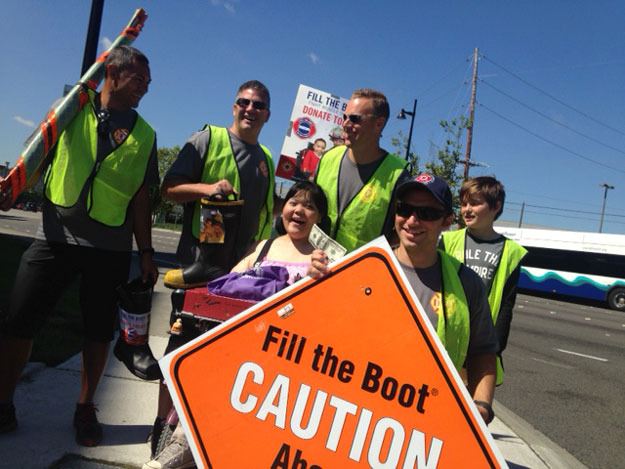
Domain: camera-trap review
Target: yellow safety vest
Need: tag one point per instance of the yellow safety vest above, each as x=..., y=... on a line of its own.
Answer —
x=219, y=163
x=115, y=180
x=453, y=326
x=363, y=218
x=511, y=256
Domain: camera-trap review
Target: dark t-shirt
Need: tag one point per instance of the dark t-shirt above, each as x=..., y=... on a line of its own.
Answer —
x=73, y=225
x=483, y=257
x=426, y=283
x=254, y=178
x=353, y=177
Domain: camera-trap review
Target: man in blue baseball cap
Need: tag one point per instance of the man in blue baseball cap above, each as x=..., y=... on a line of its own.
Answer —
x=452, y=295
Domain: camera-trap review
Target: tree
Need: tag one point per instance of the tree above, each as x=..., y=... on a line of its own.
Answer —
x=166, y=157
x=400, y=144
x=448, y=156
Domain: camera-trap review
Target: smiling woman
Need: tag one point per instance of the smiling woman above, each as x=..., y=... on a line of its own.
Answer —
x=304, y=206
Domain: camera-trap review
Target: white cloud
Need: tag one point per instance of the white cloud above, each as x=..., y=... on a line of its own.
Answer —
x=25, y=122
x=314, y=58
x=227, y=5
x=105, y=42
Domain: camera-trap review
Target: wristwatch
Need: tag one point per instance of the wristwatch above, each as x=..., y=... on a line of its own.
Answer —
x=489, y=409
x=144, y=250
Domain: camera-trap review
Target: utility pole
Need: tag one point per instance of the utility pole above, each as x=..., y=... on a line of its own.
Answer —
x=93, y=34
x=467, y=154
x=606, y=187
x=522, y=212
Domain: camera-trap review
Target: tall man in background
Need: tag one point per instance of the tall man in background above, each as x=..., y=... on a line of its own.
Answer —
x=359, y=178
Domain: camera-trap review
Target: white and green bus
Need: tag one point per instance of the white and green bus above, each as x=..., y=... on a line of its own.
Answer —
x=572, y=263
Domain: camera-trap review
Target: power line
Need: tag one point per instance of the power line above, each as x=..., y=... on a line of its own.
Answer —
x=567, y=210
x=572, y=152
x=551, y=119
x=553, y=97
x=441, y=79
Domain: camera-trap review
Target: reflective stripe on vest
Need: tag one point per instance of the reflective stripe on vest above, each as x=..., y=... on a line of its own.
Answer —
x=219, y=163
x=363, y=218
x=453, y=326
x=511, y=256
x=116, y=179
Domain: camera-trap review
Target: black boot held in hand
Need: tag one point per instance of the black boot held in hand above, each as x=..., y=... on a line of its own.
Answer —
x=131, y=348
x=218, y=232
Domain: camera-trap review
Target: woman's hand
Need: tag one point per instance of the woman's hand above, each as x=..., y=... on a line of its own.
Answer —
x=318, y=264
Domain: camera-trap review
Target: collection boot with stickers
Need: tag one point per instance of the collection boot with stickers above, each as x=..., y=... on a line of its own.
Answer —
x=132, y=348
x=219, y=224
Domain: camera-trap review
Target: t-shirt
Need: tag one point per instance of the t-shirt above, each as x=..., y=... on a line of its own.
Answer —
x=73, y=225
x=483, y=257
x=254, y=178
x=426, y=283
x=353, y=177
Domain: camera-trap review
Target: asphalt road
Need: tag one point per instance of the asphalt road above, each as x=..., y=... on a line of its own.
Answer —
x=23, y=223
x=565, y=374
x=565, y=363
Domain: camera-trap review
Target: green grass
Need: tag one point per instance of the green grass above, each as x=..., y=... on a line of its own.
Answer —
x=61, y=337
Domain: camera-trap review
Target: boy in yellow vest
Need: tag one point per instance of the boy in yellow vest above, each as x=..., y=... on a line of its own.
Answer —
x=493, y=257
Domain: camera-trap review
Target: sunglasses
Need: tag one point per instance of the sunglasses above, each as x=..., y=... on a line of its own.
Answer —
x=405, y=210
x=244, y=103
x=354, y=118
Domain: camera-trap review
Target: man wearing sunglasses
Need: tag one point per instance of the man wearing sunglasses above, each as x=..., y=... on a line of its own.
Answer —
x=96, y=197
x=359, y=177
x=452, y=295
x=224, y=162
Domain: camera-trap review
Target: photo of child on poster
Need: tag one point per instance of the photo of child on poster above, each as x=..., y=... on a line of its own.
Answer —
x=314, y=128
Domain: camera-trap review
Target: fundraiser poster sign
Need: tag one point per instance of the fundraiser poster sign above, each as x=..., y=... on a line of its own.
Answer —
x=315, y=114
x=342, y=372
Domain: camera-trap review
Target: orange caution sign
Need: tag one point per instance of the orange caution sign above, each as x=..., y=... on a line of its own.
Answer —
x=341, y=372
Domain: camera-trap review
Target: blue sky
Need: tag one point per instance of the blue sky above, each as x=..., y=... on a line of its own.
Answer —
x=201, y=50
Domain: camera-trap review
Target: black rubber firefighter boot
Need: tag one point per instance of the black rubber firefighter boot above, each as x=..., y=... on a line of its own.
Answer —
x=215, y=258
x=132, y=348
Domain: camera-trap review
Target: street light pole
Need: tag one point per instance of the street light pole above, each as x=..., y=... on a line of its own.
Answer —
x=606, y=187
x=402, y=115
x=93, y=34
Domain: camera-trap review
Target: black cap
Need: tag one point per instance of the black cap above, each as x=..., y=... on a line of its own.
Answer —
x=435, y=185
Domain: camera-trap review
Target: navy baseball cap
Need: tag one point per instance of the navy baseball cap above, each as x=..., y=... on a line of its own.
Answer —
x=433, y=184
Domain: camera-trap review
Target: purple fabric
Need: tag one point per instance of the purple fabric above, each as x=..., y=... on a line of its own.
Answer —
x=255, y=284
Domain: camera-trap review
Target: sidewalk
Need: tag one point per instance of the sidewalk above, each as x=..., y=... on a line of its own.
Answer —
x=46, y=397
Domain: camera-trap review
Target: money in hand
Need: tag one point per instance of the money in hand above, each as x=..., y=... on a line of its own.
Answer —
x=322, y=241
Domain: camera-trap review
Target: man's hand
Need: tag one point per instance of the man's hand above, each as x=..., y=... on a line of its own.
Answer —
x=221, y=187
x=149, y=271
x=318, y=264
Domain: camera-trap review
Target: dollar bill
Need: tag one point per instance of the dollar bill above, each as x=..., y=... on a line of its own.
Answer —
x=322, y=241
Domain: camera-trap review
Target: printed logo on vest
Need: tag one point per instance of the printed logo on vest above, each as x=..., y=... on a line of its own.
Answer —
x=120, y=135
x=262, y=167
x=368, y=195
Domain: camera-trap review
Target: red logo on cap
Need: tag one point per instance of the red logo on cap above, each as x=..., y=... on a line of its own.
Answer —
x=424, y=178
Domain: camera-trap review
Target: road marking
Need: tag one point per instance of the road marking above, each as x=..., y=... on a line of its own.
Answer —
x=592, y=357
x=586, y=319
x=559, y=365
x=552, y=312
x=520, y=306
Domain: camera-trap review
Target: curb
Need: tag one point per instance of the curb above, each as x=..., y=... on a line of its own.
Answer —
x=552, y=454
